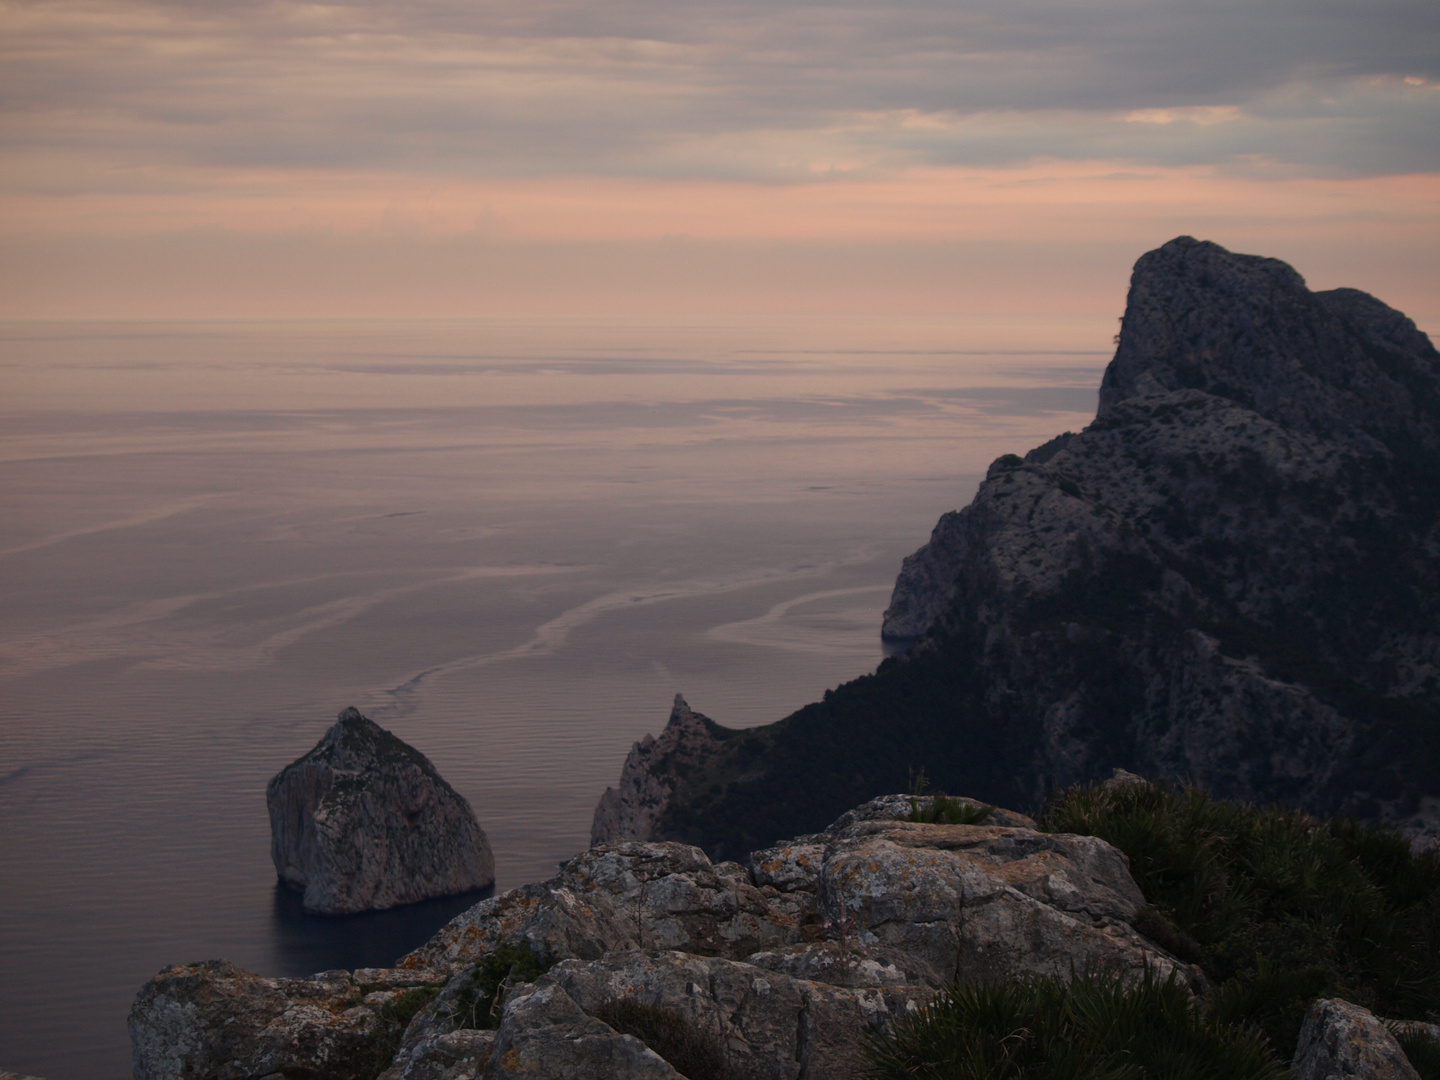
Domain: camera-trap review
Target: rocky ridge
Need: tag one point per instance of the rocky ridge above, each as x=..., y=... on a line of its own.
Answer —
x=789, y=962
x=1231, y=576
x=364, y=822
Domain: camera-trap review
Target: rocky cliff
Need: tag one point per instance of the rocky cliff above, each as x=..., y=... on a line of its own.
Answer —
x=631, y=810
x=1232, y=575
x=787, y=964
x=363, y=821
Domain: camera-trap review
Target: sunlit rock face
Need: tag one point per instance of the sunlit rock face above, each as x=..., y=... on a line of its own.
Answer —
x=364, y=822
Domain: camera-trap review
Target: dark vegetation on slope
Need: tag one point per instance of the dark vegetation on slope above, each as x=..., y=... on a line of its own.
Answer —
x=1281, y=908
x=1090, y=1028
x=866, y=738
x=1278, y=909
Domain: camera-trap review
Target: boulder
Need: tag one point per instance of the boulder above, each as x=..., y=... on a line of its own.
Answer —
x=1341, y=1041
x=218, y=1021
x=364, y=822
x=630, y=895
x=768, y=1025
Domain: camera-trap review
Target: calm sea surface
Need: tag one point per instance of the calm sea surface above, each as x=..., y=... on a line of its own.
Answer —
x=510, y=542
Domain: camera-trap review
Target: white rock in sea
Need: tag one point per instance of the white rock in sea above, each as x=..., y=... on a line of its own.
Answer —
x=364, y=822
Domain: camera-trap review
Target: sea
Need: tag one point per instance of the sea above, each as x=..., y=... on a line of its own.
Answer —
x=511, y=542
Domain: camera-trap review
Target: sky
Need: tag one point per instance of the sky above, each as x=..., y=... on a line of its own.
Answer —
x=272, y=158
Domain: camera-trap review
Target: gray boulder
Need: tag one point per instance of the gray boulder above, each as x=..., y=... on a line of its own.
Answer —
x=1341, y=1041
x=769, y=1025
x=544, y=1034
x=617, y=897
x=364, y=822
x=218, y=1021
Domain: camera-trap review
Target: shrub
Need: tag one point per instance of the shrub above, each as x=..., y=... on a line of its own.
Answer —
x=1094, y=1027
x=395, y=1016
x=478, y=1004
x=693, y=1053
x=1279, y=907
x=944, y=810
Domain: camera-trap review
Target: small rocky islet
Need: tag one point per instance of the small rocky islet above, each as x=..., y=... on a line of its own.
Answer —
x=1232, y=576
x=364, y=822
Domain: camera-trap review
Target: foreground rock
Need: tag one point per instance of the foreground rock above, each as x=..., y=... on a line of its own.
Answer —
x=364, y=822
x=788, y=963
x=1341, y=1041
x=1232, y=576
x=769, y=1026
x=218, y=1021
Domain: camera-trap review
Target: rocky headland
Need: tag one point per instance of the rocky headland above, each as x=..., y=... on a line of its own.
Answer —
x=364, y=822
x=1231, y=576
x=789, y=962
x=782, y=969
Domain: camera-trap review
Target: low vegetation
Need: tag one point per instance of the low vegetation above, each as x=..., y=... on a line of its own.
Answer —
x=1276, y=907
x=694, y=1053
x=1092, y=1027
x=478, y=1005
x=941, y=809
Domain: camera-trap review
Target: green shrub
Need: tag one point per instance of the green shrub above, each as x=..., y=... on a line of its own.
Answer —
x=693, y=1053
x=1279, y=907
x=1094, y=1027
x=944, y=810
x=478, y=1004
x=395, y=1016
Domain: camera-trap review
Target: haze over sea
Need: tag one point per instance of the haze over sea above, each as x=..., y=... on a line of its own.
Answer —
x=509, y=542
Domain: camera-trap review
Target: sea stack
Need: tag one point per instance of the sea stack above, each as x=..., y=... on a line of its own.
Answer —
x=363, y=822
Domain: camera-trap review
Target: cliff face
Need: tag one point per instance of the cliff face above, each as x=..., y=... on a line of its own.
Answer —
x=364, y=822
x=631, y=810
x=1231, y=576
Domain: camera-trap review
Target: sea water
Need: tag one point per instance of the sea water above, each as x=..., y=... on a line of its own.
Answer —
x=509, y=542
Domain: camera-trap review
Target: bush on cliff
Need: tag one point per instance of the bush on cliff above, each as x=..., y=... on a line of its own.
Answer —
x=1278, y=908
x=508, y=963
x=1093, y=1027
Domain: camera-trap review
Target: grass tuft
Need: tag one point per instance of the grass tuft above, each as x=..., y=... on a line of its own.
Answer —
x=943, y=810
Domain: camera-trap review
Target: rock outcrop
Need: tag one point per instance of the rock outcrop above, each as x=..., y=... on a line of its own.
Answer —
x=787, y=964
x=364, y=822
x=218, y=1021
x=1341, y=1041
x=1231, y=576
x=631, y=810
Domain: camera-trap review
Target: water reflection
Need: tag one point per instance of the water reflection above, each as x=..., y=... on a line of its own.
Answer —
x=305, y=943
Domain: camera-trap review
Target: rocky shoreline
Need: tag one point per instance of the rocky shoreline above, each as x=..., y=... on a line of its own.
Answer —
x=788, y=965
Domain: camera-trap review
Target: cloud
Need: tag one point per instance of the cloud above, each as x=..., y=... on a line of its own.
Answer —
x=104, y=95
